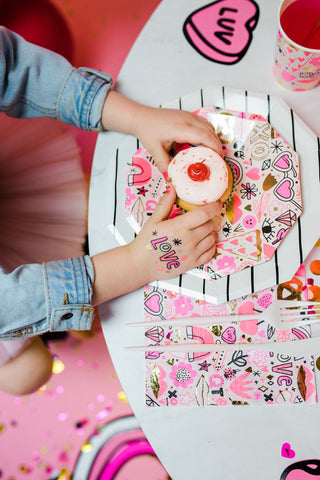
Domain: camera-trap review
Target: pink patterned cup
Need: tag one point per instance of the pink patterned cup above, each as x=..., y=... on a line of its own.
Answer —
x=297, y=55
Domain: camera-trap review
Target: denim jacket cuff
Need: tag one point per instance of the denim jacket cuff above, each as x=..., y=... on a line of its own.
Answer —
x=82, y=97
x=68, y=290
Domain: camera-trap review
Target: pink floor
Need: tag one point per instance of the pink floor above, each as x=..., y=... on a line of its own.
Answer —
x=45, y=435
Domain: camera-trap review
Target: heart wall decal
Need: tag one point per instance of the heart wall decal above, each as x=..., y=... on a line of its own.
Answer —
x=222, y=30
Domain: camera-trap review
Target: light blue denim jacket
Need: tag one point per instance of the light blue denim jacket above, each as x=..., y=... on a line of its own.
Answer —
x=34, y=82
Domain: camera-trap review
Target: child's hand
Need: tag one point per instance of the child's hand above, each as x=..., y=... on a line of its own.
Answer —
x=158, y=129
x=163, y=249
x=167, y=248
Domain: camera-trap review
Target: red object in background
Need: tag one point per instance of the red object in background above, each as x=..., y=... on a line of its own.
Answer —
x=39, y=22
x=301, y=23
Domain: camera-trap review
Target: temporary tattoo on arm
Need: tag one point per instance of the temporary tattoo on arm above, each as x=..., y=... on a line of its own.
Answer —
x=169, y=255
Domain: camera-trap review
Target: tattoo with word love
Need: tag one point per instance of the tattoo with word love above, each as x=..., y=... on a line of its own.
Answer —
x=169, y=255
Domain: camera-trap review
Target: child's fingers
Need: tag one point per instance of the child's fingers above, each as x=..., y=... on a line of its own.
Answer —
x=206, y=243
x=164, y=207
x=162, y=158
x=202, y=232
x=201, y=215
x=206, y=256
x=203, y=135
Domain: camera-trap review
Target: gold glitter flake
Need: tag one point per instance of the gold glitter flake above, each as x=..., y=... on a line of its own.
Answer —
x=216, y=330
x=154, y=380
x=86, y=447
x=57, y=366
x=122, y=397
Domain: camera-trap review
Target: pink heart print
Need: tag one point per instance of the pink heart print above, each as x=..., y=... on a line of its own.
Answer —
x=287, y=452
x=284, y=190
x=283, y=162
x=153, y=303
x=253, y=174
x=287, y=76
x=229, y=335
x=222, y=30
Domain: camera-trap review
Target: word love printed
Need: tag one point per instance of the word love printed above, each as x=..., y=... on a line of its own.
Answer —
x=169, y=255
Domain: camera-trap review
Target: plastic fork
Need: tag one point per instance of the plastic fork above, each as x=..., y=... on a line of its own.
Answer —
x=278, y=314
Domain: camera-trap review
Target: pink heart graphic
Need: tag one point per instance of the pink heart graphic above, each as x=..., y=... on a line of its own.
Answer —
x=234, y=242
x=250, y=239
x=284, y=190
x=283, y=162
x=229, y=335
x=287, y=452
x=315, y=61
x=289, y=50
x=291, y=60
x=253, y=174
x=287, y=76
x=301, y=59
x=153, y=303
x=205, y=29
x=242, y=250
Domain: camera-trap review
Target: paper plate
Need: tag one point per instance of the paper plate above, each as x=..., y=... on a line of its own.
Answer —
x=266, y=198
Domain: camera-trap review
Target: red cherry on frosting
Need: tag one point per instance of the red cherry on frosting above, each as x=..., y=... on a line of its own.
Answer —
x=198, y=172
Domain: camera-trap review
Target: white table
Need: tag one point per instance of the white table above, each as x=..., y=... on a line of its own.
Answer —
x=206, y=443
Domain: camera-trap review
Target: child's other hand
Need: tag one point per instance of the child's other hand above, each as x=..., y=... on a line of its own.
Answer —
x=158, y=129
x=167, y=248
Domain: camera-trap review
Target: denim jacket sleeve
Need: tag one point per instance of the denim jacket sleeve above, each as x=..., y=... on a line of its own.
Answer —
x=54, y=296
x=35, y=82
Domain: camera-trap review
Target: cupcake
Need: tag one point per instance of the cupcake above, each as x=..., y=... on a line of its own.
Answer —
x=200, y=176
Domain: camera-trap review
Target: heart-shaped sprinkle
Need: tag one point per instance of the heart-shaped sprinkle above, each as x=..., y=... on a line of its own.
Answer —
x=287, y=452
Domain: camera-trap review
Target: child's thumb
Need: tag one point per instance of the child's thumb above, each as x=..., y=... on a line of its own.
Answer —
x=164, y=207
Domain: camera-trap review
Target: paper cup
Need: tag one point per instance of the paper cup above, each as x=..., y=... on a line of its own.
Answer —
x=296, y=66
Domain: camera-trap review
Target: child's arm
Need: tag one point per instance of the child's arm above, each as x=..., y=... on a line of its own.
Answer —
x=163, y=249
x=157, y=128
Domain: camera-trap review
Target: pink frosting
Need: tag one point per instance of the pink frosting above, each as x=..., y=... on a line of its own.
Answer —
x=204, y=191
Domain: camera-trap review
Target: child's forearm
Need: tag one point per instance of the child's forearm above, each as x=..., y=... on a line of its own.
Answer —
x=116, y=274
x=119, y=112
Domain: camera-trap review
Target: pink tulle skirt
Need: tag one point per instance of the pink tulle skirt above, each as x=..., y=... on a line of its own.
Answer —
x=43, y=198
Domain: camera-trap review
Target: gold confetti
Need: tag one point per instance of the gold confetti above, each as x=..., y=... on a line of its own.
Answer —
x=86, y=447
x=57, y=366
x=216, y=330
x=122, y=397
